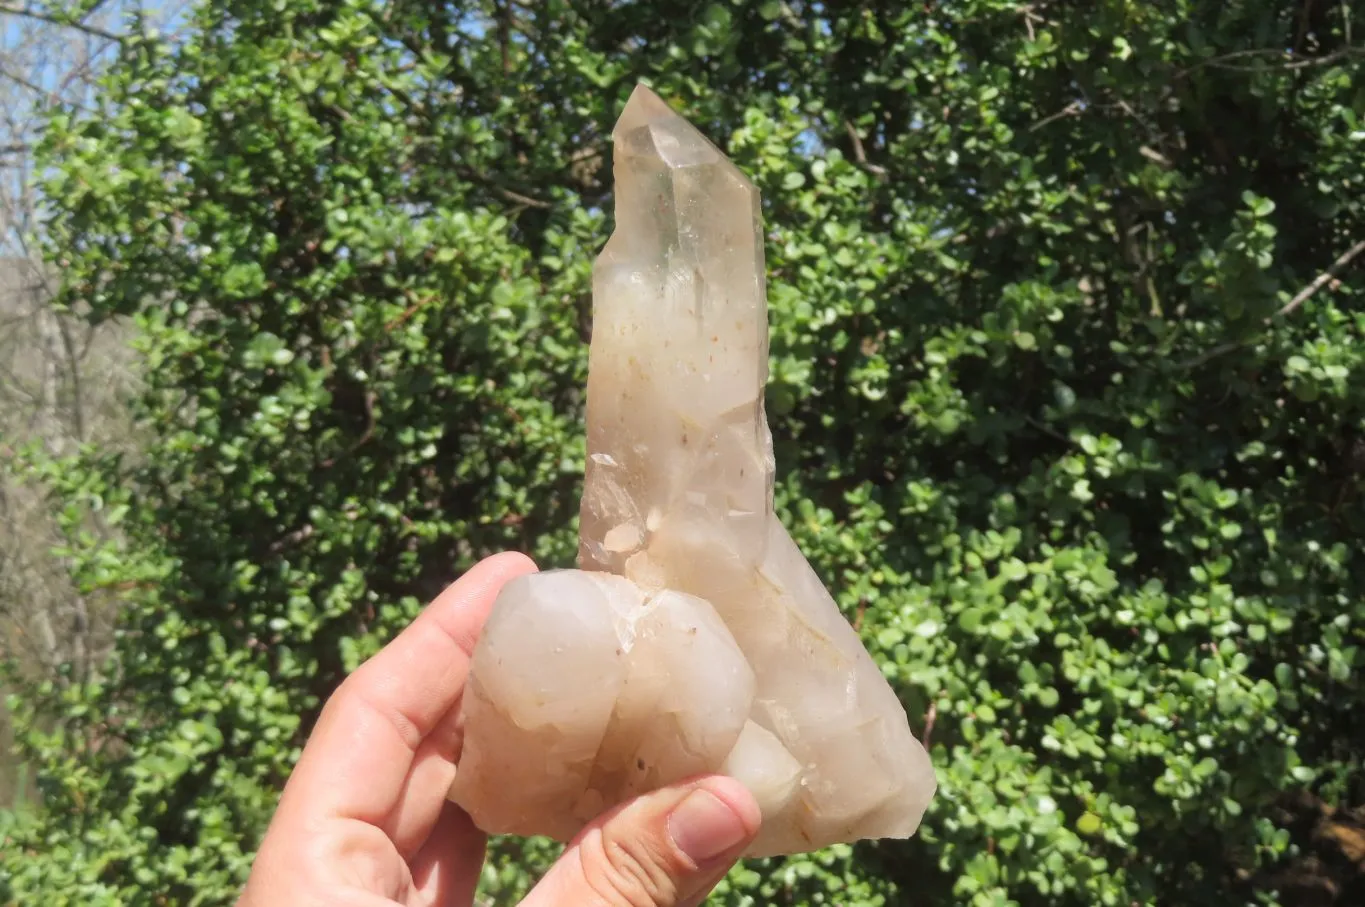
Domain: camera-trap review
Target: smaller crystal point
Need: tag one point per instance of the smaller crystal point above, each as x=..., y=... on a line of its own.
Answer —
x=585, y=691
x=696, y=638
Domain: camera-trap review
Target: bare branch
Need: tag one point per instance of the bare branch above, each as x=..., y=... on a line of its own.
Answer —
x=1322, y=279
x=73, y=372
x=40, y=16
x=1211, y=353
x=1292, y=305
x=859, y=154
x=522, y=199
x=1154, y=156
x=508, y=194
x=31, y=86
x=1288, y=60
x=1070, y=110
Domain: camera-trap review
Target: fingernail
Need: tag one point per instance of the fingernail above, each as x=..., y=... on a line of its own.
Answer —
x=704, y=827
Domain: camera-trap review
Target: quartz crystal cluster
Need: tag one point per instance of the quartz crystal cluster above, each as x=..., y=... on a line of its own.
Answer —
x=695, y=637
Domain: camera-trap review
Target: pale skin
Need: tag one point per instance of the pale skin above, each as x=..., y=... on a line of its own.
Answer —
x=364, y=822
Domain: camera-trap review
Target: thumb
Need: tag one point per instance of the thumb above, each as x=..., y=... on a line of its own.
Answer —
x=665, y=849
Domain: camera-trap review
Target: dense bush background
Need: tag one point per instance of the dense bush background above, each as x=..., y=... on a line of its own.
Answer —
x=1068, y=384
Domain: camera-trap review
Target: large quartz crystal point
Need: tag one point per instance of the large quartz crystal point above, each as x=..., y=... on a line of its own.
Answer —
x=695, y=637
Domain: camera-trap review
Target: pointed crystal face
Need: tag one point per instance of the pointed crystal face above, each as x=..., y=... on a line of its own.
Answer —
x=695, y=637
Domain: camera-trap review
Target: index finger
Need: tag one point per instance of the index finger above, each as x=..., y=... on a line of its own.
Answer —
x=359, y=755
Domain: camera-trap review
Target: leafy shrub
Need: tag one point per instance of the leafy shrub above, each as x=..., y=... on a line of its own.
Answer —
x=1063, y=409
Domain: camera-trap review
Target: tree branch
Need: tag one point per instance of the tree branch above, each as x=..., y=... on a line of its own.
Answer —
x=473, y=175
x=1290, y=60
x=25, y=83
x=1322, y=279
x=1069, y=110
x=40, y=16
x=1289, y=307
x=73, y=369
x=860, y=155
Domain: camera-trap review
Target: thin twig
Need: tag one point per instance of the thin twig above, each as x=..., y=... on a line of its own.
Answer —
x=1289, y=307
x=1322, y=279
x=510, y=195
x=40, y=16
x=1051, y=432
x=1154, y=156
x=521, y=199
x=411, y=310
x=1224, y=61
x=859, y=154
x=1069, y=110
x=290, y=539
x=1030, y=17
x=25, y=83
x=1213, y=353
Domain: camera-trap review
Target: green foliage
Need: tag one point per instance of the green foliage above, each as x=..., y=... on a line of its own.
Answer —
x=1050, y=415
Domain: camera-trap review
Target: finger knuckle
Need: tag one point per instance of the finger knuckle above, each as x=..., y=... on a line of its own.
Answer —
x=630, y=872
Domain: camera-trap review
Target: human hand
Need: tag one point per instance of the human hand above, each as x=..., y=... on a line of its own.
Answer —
x=364, y=820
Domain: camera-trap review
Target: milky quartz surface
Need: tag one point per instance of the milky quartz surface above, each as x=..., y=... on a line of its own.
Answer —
x=696, y=637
